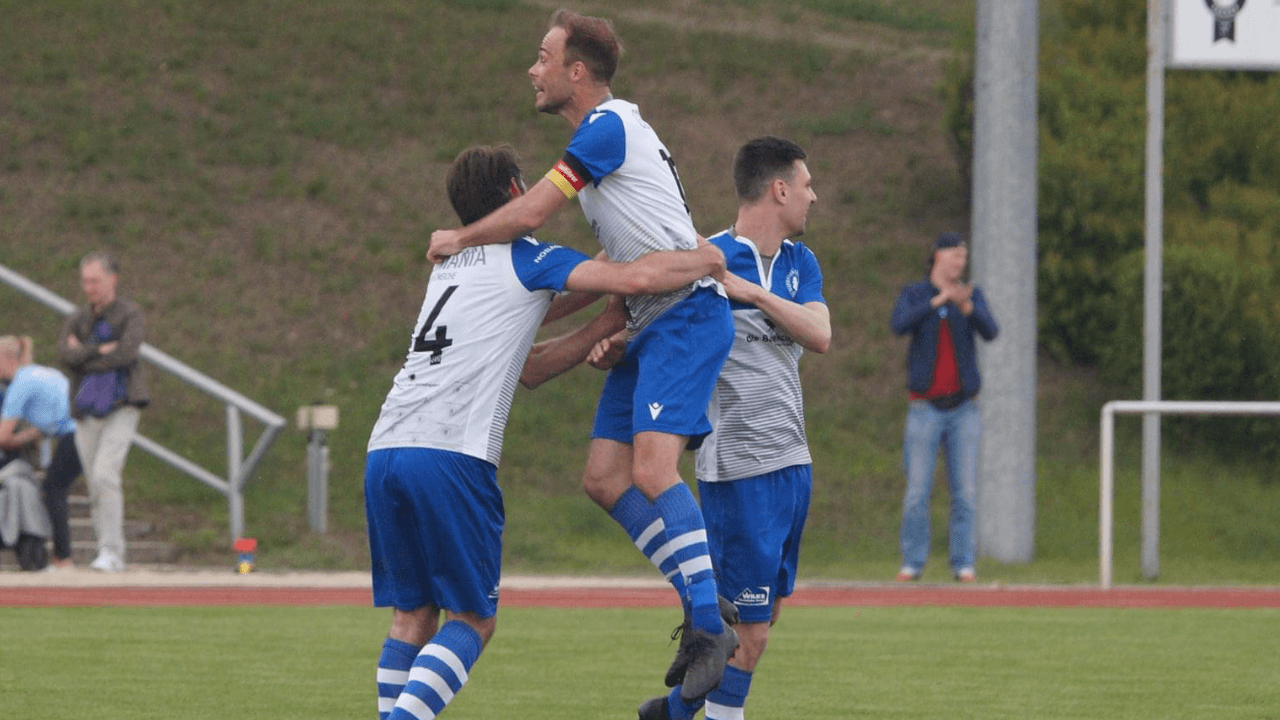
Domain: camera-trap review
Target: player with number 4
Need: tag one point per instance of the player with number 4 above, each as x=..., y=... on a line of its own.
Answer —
x=654, y=401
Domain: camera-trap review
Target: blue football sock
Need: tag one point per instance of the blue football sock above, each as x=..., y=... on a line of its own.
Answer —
x=678, y=709
x=728, y=699
x=393, y=673
x=643, y=523
x=439, y=672
x=687, y=537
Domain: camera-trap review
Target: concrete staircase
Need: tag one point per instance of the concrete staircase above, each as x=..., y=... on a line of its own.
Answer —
x=141, y=548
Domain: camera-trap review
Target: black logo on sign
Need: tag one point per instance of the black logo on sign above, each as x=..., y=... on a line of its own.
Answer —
x=1224, y=18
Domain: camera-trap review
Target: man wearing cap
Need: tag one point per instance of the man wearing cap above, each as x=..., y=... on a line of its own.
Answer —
x=941, y=313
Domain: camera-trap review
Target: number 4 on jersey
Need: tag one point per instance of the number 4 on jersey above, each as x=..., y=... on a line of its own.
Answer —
x=434, y=345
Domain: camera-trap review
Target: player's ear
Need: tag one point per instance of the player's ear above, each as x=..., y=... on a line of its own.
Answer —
x=516, y=189
x=780, y=190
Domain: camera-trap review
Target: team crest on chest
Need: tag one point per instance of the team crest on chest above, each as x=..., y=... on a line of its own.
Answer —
x=793, y=282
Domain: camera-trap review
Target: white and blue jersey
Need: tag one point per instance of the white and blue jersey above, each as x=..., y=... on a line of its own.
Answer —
x=481, y=313
x=433, y=507
x=757, y=409
x=38, y=396
x=626, y=182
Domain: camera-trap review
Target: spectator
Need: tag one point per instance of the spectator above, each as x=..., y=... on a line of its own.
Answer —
x=99, y=347
x=941, y=313
x=37, y=397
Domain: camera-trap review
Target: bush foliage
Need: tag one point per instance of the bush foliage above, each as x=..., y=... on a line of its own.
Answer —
x=1221, y=210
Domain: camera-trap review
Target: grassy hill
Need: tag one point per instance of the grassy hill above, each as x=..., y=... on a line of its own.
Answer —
x=269, y=174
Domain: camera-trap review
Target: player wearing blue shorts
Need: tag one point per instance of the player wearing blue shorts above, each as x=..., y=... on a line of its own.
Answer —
x=433, y=505
x=654, y=404
x=754, y=470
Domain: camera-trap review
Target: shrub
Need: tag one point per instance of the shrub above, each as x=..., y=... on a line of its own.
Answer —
x=1220, y=341
x=1221, y=211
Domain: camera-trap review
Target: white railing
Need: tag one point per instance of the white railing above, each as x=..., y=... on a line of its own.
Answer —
x=239, y=466
x=1157, y=407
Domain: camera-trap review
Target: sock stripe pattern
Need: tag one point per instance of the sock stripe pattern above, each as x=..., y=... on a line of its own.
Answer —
x=687, y=536
x=438, y=673
x=393, y=673
x=645, y=527
x=726, y=702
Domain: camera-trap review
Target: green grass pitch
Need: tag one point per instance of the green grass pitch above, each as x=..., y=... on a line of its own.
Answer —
x=545, y=664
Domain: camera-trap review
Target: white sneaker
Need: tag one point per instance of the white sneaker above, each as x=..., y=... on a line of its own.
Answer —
x=107, y=561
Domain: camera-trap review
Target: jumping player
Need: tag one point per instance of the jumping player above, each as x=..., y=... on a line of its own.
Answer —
x=654, y=402
x=432, y=501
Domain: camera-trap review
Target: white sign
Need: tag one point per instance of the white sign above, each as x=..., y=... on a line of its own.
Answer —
x=1229, y=34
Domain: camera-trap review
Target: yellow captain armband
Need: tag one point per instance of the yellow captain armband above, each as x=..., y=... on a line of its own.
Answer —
x=565, y=178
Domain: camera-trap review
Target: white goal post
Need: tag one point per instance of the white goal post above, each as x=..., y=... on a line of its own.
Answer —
x=1157, y=407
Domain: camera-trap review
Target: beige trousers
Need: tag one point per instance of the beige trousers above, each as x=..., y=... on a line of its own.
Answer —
x=103, y=444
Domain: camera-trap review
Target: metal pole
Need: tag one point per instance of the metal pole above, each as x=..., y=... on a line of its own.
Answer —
x=1106, y=497
x=317, y=481
x=1153, y=283
x=235, y=452
x=1004, y=266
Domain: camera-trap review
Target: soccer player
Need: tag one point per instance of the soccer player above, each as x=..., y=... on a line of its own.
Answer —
x=654, y=402
x=754, y=471
x=432, y=501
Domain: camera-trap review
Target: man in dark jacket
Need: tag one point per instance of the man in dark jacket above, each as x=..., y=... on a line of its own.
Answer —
x=941, y=313
x=99, y=347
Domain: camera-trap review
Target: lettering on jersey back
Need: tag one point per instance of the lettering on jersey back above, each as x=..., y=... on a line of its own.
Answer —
x=469, y=257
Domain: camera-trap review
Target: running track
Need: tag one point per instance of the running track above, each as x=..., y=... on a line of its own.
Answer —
x=597, y=596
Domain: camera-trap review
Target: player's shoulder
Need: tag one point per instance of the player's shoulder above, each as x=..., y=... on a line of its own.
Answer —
x=797, y=249
x=724, y=239
x=530, y=250
x=606, y=115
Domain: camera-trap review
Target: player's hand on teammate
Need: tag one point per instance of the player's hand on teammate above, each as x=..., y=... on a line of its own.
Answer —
x=609, y=351
x=739, y=289
x=702, y=246
x=444, y=243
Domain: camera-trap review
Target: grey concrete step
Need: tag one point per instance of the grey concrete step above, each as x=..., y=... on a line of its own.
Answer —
x=82, y=529
x=140, y=547
x=83, y=552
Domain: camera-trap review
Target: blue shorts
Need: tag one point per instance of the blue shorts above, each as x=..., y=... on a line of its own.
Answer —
x=753, y=531
x=665, y=381
x=435, y=530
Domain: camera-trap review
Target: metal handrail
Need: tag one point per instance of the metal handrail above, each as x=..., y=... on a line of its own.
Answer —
x=239, y=467
x=1107, y=450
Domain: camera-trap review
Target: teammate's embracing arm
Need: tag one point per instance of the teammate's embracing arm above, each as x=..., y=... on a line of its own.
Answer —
x=521, y=216
x=656, y=272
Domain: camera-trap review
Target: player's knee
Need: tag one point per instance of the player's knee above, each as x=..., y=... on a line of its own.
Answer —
x=752, y=640
x=604, y=487
x=483, y=626
x=414, y=626
x=594, y=486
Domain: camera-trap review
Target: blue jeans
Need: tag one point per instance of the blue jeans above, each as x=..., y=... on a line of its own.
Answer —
x=958, y=431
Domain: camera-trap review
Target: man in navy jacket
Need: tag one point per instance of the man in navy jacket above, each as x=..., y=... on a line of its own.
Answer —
x=942, y=313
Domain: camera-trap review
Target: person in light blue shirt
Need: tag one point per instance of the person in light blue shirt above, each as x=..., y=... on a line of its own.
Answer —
x=37, y=397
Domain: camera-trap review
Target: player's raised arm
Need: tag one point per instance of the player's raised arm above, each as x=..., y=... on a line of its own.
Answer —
x=520, y=216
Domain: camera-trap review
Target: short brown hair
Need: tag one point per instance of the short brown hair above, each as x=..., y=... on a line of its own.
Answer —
x=760, y=162
x=591, y=41
x=479, y=180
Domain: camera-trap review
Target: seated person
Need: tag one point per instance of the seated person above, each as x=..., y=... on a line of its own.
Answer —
x=37, y=397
